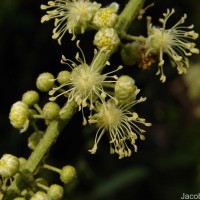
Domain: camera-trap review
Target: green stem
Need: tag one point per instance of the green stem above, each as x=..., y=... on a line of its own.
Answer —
x=129, y=13
x=131, y=37
x=52, y=168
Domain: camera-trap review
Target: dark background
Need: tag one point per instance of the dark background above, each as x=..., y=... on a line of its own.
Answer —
x=167, y=163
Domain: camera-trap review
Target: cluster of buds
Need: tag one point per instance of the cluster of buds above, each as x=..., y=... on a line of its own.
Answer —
x=35, y=188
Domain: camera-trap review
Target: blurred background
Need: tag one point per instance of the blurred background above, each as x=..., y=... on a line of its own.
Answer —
x=167, y=163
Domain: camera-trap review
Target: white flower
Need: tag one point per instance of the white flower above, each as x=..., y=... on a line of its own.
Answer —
x=70, y=15
x=175, y=42
x=121, y=124
x=85, y=83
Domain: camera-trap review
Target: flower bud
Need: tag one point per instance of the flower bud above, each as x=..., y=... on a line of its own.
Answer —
x=9, y=165
x=55, y=192
x=39, y=196
x=45, y=82
x=125, y=89
x=107, y=38
x=63, y=76
x=51, y=111
x=19, y=116
x=68, y=174
x=105, y=17
x=30, y=97
x=19, y=198
x=130, y=53
x=34, y=139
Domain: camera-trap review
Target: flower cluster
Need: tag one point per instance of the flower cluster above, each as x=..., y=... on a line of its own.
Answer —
x=84, y=84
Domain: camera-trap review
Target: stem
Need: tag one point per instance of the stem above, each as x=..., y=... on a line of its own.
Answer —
x=129, y=13
x=52, y=168
x=131, y=37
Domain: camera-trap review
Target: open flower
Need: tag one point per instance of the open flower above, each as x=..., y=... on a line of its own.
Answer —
x=70, y=15
x=175, y=42
x=121, y=124
x=85, y=83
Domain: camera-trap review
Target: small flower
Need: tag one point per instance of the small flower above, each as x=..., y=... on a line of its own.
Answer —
x=19, y=116
x=174, y=42
x=107, y=39
x=45, y=82
x=55, y=192
x=106, y=17
x=70, y=15
x=40, y=195
x=121, y=124
x=30, y=98
x=125, y=89
x=68, y=174
x=9, y=165
x=85, y=83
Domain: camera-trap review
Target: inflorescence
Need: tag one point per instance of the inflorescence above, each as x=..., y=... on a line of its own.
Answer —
x=110, y=98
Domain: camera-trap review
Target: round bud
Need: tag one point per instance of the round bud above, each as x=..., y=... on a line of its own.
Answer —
x=107, y=39
x=19, y=198
x=63, y=76
x=55, y=192
x=105, y=17
x=9, y=165
x=30, y=97
x=39, y=196
x=130, y=53
x=34, y=139
x=51, y=111
x=19, y=116
x=68, y=174
x=45, y=82
x=125, y=88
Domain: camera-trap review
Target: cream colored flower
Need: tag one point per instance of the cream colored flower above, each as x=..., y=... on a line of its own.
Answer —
x=175, y=42
x=85, y=83
x=70, y=15
x=121, y=125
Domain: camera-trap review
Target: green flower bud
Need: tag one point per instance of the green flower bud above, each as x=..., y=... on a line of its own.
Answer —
x=34, y=139
x=45, y=82
x=125, y=89
x=9, y=165
x=39, y=196
x=130, y=53
x=19, y=198
x=68, y=174
x=55, y=192
x=51, y=111
x=19, y=116
x=63, y=77
x=107, y=39
x=30, y=97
